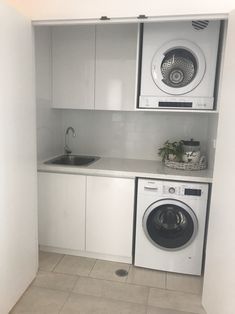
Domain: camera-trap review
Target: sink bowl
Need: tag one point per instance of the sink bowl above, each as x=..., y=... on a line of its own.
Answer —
x=72, y=160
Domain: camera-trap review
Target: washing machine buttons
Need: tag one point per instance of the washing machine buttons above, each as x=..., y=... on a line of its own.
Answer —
x=171, y=190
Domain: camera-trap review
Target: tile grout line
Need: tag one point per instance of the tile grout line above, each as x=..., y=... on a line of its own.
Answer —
x=148, y=297
x=119, y=282
x=104, y=298
x=88, y=275
x=146, y=308
x=125, y=281
x=69, y=294
x=57, y=263
x=166, y=281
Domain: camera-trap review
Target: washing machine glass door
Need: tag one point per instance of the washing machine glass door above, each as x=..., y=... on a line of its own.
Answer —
x=170, y=224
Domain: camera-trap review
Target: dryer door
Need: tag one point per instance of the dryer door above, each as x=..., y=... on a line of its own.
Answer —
x=178, y=67
x=170, y=224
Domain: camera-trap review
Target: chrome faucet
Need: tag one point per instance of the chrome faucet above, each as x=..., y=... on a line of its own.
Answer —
x=67, y=150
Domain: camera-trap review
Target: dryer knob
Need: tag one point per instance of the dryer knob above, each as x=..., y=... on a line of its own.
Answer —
x=171, y=190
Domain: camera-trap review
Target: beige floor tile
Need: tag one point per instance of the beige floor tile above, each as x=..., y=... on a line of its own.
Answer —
x=111, y=289
x=175, y=300
x=48, y=260
x=75, y=265
x=55, y=281
x=40, y=301
x=106, y=270
x=185, y=283
x=147, y=277
x=83, y=304
x=157, y=310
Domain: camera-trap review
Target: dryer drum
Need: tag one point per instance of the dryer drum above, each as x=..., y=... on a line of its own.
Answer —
x=178, y=68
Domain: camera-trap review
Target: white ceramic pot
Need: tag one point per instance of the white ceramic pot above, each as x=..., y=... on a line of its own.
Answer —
x=191, y=157
x=171, y=157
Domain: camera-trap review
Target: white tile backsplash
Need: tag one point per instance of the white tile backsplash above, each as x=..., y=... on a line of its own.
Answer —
x=49, y=130
x=135, y=135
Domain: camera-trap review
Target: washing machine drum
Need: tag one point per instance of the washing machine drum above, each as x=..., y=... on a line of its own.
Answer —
x=178, y=67
x=170, y=224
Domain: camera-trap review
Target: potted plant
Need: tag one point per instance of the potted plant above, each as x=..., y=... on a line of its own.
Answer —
x=171, y=151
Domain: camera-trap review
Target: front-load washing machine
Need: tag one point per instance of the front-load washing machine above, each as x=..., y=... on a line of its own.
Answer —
x=170, y=225
x=179, y=64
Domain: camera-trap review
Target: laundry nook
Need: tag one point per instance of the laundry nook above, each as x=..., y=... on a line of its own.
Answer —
x=117, y=171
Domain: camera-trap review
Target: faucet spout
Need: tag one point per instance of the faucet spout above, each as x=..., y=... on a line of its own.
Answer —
x=70, y=128
x=67, y=149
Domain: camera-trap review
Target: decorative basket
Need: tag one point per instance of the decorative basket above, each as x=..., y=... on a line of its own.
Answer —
x=186, y=165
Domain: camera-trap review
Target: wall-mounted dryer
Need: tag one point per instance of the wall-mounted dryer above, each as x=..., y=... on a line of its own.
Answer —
x=179, y=64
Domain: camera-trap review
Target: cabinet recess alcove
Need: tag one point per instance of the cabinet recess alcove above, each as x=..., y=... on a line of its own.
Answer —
x=88, y=77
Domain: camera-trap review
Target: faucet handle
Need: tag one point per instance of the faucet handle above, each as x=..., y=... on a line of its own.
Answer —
x=67, y=150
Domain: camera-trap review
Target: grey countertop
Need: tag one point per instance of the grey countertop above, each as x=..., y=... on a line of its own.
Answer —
x=130, y=168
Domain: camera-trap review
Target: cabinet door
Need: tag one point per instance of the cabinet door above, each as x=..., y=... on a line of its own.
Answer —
x=61, y=210
x=18, y=191
x=73, y=66
x=109, y=216
x=115, y=78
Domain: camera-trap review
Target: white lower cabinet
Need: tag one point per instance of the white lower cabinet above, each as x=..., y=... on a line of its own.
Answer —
x=61, y=207
x=88, y=214
x=109, y=215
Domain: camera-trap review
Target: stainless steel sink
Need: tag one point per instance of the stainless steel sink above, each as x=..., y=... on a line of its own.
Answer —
x=72, y=160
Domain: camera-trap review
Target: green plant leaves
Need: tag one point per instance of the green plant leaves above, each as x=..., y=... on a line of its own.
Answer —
x=171, y=148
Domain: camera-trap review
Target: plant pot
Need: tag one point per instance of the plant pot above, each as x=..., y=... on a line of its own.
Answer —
x=171, y=157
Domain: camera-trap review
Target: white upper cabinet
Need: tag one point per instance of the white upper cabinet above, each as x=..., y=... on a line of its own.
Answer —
x=94, y=67
x=115, y=78
x=73, y=66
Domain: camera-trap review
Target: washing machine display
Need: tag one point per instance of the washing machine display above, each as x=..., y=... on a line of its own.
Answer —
x=178, y=66
x=170, y=224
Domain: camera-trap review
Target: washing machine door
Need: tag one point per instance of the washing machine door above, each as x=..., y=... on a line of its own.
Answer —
x=178, y=67
x=170, y=224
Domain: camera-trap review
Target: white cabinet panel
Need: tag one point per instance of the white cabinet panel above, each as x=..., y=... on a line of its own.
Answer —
x=73, y=66
x=80, y=9
x=220, y=253
x=18, y=176
x=115, y=78
x=109, y=216
x=61, y=202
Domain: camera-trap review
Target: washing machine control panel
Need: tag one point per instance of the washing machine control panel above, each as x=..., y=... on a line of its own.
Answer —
x=171, y=189
x=181, y=190
x=194, y=192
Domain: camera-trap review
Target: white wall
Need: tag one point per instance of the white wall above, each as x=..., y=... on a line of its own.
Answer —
x=18, y=198
x=219, y=282
x=76, y=9
x=49, y=137
x=131, y=134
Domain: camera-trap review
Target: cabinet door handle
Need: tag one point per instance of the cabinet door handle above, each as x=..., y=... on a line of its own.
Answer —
x=104, y=18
